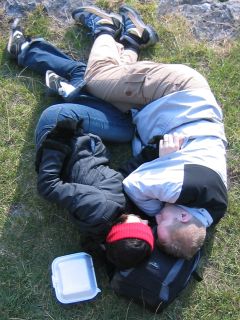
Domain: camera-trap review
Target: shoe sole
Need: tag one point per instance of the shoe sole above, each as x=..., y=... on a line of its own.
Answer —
x=153, y=36
x=98, y=12
x=47, y=82
x=50, y=91
x=47, y=78
x=134, y=13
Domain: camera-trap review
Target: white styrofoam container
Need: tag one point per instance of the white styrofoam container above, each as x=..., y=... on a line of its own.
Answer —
x=73, y=278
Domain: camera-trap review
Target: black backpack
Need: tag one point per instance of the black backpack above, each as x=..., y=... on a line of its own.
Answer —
x=156, y=282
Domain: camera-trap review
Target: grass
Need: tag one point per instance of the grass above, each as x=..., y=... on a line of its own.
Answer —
x=34, y=232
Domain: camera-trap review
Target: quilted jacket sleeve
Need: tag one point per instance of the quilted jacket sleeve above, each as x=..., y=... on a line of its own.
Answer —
x=86, y=204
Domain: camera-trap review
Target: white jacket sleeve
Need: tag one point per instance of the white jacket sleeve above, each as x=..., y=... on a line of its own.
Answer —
x=154, y=183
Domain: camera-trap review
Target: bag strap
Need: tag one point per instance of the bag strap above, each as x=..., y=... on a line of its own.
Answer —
x=193, y=271
x=170, y=277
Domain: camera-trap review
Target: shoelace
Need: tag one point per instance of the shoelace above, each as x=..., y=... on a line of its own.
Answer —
x=18, y=35
x=91, y=23
x=128, y=24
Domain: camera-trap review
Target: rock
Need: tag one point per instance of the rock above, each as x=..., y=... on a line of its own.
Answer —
x=60, y=9
x=211, y=20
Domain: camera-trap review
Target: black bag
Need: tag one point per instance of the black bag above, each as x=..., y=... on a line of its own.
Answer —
x=156, y=282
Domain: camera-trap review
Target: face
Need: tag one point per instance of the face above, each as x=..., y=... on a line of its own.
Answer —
x=167, y=217
x=132, y=218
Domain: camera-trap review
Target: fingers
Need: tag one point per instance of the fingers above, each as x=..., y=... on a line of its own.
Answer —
x=170, y=140
x=167, y=140
x=160, y=144
x=176, y=140
x=170, y=143
x=166, y=145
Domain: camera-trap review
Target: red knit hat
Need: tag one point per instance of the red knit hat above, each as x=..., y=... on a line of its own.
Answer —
x=135, y=230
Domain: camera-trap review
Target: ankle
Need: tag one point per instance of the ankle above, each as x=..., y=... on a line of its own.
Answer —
x=130, y=46
x=108, y=32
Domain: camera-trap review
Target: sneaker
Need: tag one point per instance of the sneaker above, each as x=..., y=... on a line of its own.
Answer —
x=134, y=30
x=16, y=39
x=98, y=20
x=62, y=86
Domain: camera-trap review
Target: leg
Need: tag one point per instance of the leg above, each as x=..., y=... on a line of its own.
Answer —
x=98, y=117
x=133, y=85
x=40, y=56
x=107, y=56
x=105, y=70
x=128, y=56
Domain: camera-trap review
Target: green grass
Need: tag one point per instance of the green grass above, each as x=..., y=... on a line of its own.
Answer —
x=34, y=232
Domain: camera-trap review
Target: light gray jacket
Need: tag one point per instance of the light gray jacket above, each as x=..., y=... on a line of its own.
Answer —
x=195, y=175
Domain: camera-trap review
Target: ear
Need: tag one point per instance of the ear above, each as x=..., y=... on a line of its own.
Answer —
x=185, y=216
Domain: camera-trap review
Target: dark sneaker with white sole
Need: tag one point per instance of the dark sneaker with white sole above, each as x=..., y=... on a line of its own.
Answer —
x=134, y=30
x=98, y=21
x=62, y=86
x=16, y=39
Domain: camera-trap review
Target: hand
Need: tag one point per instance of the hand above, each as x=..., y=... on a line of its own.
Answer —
x=170, y=143
x=65, y=130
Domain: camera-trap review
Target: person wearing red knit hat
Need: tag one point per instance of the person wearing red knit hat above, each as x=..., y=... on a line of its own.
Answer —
x=73, y=172
x=129, y=242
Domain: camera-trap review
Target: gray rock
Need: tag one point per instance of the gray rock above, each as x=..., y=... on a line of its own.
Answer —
x=60, y=9
x=210, y=20
x=17, y=8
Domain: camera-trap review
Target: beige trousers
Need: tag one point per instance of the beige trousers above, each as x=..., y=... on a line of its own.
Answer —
x=114, y=75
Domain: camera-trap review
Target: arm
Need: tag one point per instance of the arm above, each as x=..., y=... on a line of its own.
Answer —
x=87, y=205
x=151, y=185
x=154, y=183
x=59, y=138
x=163, y=145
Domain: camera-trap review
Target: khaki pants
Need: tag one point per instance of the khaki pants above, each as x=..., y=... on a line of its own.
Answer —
x=114, y=74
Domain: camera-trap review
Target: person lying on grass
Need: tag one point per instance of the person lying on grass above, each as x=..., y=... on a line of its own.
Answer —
x=172, y=188
x=73, y=172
